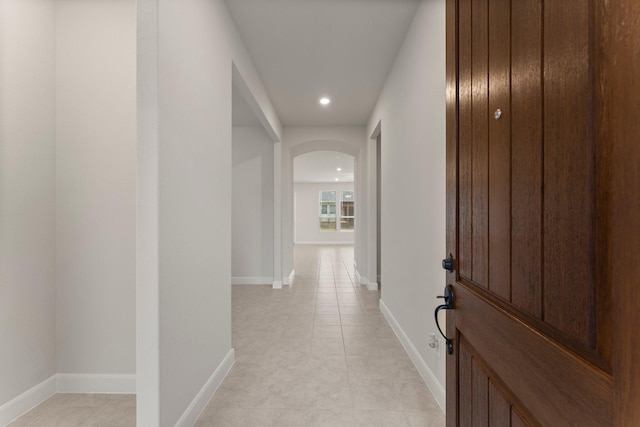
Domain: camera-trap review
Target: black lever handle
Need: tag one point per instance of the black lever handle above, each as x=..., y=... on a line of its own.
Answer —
x=448, y=305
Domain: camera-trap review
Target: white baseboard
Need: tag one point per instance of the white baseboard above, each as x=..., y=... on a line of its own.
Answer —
x=96, y=383
x=27, y=400
x=65, y=383
x=277, y=284
x=427, y=375
x=251, y=280
x=289, y=279
x=193, y=411
x=372, y=286
x=322, y=243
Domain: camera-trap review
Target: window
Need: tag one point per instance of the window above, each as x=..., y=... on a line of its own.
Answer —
x=327, y=211
x=347, y=211
x=344, y=219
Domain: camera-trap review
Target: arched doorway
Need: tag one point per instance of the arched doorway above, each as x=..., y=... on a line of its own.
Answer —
x=349, y=141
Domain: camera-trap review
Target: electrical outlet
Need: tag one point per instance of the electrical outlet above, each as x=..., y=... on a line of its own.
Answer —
x=433, y=340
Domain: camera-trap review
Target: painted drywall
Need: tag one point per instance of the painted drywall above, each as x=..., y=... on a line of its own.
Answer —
x=27, y=196
x=252, y=205
x=300, y=140
x=411, y=110
x=186, y=54
x=307, y=210
x=95, y=185
x=195, y=198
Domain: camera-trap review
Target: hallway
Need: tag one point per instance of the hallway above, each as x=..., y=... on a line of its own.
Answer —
x=318, y=353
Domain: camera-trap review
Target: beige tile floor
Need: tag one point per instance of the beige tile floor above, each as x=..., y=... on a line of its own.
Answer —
x=86, y=410
x=318, y=353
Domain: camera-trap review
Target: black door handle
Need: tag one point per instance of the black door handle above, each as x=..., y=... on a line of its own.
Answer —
x=448, y=305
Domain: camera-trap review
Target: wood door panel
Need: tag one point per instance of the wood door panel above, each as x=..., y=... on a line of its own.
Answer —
x=516, y=421
x=480, y=126
x=487, y=405
x=526, y=182
x=465, y=242
x=542, y=212
x=547, y=378
x=500, y=149
x=499, y=408
x=527, y=151
x=480, y=392
x=569, y=170
x=465, y=378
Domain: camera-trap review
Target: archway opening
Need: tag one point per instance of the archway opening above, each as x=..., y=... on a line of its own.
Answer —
x=324, y=198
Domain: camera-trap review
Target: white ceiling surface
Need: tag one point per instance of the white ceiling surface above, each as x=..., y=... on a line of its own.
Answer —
x=321, y=166
x=305, y=49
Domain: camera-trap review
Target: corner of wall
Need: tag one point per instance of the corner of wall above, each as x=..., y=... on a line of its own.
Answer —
x=65, y=383
x=290, y=278
x=27, y=400
x=96, y=383
x=197, y=405
x=426, y=373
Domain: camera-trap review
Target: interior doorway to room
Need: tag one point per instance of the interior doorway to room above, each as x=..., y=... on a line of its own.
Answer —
x=252, y=197
x=324, y=191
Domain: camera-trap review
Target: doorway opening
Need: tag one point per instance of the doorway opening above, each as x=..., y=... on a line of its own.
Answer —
x=252, y=196
x=324, y=191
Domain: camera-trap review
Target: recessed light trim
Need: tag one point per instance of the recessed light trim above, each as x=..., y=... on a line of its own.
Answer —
x=339, y=169
x=337, y=179
x=325, y=101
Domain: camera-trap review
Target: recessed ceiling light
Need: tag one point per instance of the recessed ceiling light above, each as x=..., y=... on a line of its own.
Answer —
x=339, y=169
x=325, y=101
x=337, y=179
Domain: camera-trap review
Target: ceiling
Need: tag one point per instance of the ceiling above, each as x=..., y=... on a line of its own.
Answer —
x=305, y=49
x=321, y=166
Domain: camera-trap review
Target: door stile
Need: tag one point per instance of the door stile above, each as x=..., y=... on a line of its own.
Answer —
x=622, y=105
x=451, y=202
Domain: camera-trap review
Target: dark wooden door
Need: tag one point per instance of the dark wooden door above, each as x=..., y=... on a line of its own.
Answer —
x=542, y=170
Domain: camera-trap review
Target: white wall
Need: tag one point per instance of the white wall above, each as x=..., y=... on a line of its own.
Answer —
x=95, y=184
x=252, y=207
x=308, y=209
x=300, y=140
x=185, y=54
x=411, y=109
x=27, y=196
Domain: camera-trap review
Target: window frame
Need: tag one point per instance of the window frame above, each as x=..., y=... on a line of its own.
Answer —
x=337, y=204
x=353, y=208
x=321, y=204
